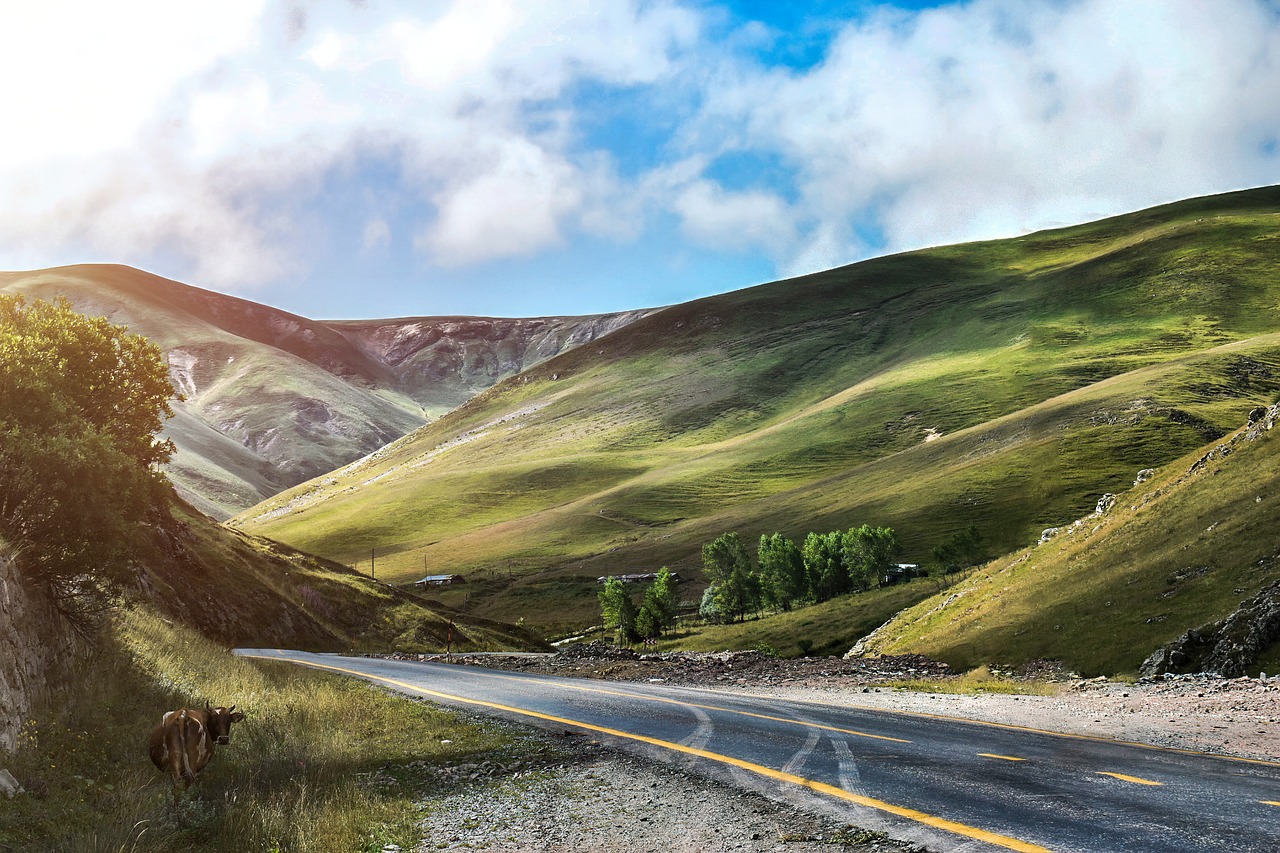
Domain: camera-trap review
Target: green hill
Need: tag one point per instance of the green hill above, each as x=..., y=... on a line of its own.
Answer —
x=1006, y=384
x=1175, y=552
x=273, y=399
x=242, y=590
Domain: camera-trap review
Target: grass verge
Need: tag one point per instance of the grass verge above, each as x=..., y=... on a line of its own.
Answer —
x=321, y=763
x=980, y=679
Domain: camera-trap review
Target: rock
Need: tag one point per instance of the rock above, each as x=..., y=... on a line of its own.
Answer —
x=1048, y=533
x=1144, y=475
x=1105, y=503
x=1226, y=647
x=8, y=785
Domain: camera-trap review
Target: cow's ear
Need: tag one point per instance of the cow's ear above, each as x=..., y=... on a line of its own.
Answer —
x=237, y=717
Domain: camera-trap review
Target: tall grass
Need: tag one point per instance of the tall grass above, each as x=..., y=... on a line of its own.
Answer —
x=319, y=764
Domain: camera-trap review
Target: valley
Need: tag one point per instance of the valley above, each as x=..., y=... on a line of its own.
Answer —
x=1007, y=385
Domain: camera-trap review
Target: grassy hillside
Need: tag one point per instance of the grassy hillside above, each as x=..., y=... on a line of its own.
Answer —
x=273, y=399
x=1005, y=384
x=242, y=590
x=1177, y=551
x=320, y=763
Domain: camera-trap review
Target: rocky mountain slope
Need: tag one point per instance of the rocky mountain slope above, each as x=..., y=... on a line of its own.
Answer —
x=272, y=399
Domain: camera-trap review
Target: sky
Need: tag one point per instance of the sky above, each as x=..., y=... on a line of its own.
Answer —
x=358, y=158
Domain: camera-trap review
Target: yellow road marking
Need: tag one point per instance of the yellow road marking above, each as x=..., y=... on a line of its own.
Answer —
x=1134, y=779
x=683, y=703
x=768, y=772
x=1269, y=802
x=1001, y=757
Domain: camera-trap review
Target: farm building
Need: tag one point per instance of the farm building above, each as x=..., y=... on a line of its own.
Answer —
x=440, y=580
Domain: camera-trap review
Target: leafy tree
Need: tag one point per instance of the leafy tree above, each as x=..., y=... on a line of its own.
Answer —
x=783, y=579
x=661, y=600
x=646, y=626
x=869, y=552
x=709, y=609
x=617, y=610
x=81, y=400
x=962, y=550
x=823, y=555
x=727, y=565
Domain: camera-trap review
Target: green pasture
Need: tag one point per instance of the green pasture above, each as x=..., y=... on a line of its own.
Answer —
x=1005, y=384
x=1176, y=552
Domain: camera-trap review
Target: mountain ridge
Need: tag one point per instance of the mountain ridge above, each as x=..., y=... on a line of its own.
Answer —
x=274, y=398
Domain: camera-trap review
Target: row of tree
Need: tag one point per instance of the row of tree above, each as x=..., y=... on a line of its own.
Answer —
x=782, y=576
x=825, y=566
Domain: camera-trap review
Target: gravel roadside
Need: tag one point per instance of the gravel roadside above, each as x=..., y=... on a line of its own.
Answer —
x=585, y=796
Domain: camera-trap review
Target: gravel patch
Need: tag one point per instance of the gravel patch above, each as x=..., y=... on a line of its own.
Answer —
x=598, y=798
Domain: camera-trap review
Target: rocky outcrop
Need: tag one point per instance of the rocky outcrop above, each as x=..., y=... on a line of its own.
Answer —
x=1227, y=647
x=32, y=646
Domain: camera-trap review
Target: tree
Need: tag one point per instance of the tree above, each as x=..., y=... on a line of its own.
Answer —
x=869, y=552
x=962, y=550
x=783, y=580
x=823, y=555
x=709, y=609
x=727, y=565
x=658, y=612
x=617, y=610
x=81, y=401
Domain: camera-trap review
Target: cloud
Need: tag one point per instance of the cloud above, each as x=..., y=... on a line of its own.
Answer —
x=998, y=116
x=738, y=221
x=206, y=137
x=376, y=235
x=224, y=142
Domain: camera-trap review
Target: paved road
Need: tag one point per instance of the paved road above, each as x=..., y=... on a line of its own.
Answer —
x=954, y=785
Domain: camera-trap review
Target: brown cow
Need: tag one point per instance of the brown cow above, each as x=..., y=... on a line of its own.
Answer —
x=182, y=745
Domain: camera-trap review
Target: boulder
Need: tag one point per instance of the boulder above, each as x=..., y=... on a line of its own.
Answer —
x=1226, y=647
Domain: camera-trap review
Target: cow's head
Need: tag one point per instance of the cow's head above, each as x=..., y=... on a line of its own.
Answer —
x=220, y=720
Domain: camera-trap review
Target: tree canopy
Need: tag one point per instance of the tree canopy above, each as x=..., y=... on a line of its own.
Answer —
x=81, y=401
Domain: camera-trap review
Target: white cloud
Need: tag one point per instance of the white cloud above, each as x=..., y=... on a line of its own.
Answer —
x=737, y=221
x=376, y=235
x=143, y=129
x=147, y=128
x=510, y=207
x=1000, y=116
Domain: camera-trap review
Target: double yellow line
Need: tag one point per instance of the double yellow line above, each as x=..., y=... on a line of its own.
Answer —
x=767, y=772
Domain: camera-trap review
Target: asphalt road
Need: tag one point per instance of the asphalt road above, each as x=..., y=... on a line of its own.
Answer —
x=952, y=785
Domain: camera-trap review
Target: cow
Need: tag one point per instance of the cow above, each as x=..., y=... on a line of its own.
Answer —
x=182, y=745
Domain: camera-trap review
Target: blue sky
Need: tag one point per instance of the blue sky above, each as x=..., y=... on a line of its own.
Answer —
x=369, y=159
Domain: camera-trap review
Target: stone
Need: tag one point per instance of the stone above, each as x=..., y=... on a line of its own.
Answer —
x=1226, y=647
x=8, y=785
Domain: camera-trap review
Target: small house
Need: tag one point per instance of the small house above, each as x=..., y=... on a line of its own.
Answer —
x=440, y=580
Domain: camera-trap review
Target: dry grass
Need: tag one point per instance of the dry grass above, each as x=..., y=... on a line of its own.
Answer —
x=319, y=764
